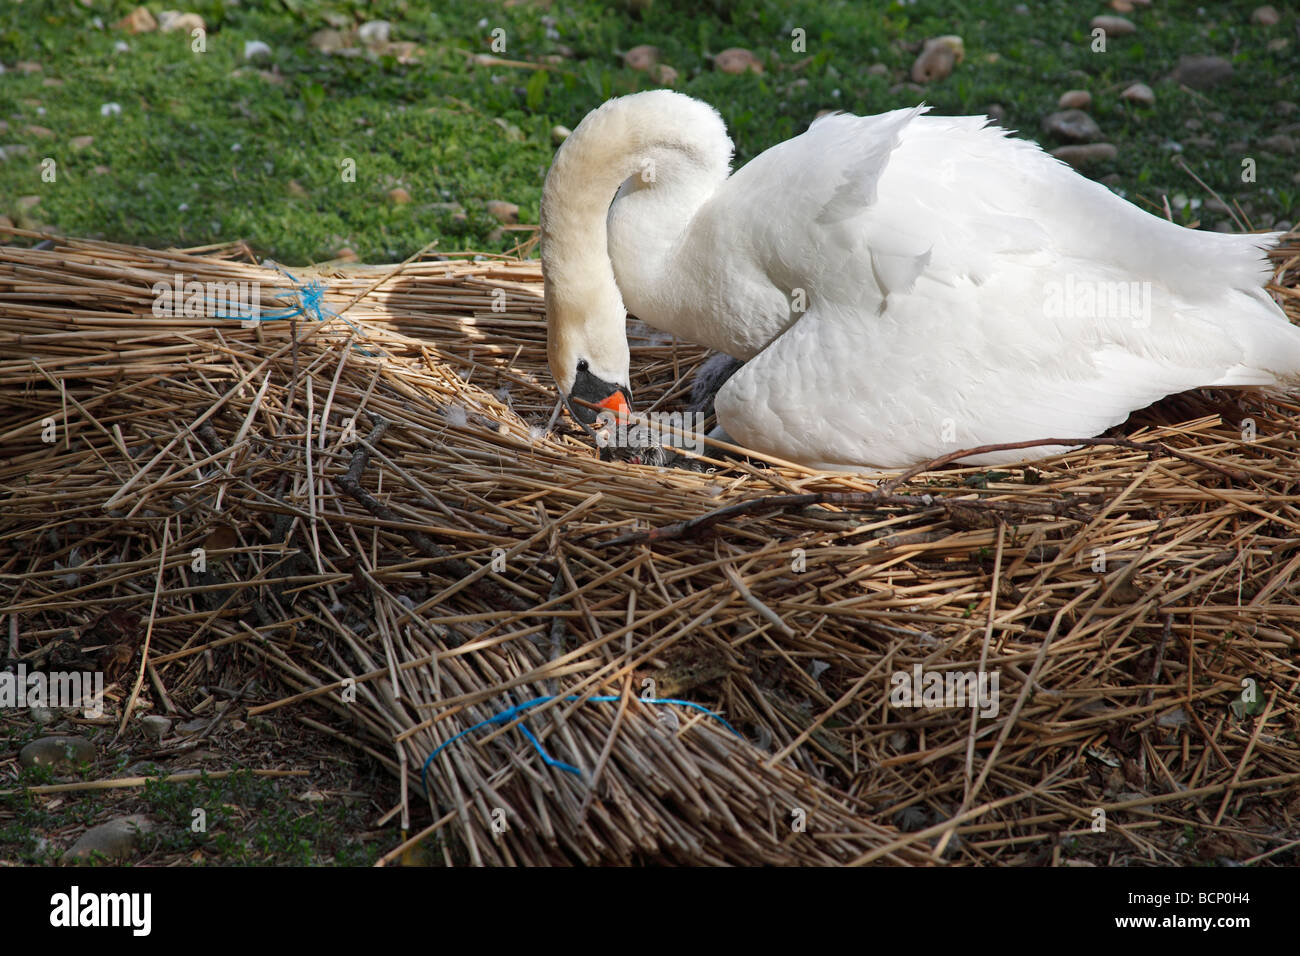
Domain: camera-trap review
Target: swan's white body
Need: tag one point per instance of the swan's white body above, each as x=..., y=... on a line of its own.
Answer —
x=901, y=285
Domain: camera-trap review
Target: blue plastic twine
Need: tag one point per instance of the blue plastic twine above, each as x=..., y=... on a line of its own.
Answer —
x=511, y=712
x=308, y=303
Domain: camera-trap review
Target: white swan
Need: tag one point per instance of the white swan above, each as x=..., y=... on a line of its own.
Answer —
x=902, y=286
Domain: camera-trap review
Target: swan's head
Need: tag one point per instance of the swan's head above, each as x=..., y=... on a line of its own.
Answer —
x=586, y=345
x=683, y=144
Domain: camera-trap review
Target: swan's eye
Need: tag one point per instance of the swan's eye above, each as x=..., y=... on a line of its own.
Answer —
x=582, y=365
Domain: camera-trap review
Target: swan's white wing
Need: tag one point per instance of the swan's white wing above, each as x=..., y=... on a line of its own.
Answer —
x=834, y=391
x=963, y=288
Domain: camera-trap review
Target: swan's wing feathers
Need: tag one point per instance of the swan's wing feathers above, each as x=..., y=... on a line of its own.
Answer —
x=843, y=157
x=826, y=176
x=921, y=380
x=977, y=192
x=904, y=183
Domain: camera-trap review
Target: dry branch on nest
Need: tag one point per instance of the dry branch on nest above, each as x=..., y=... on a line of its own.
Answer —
x=460, y=557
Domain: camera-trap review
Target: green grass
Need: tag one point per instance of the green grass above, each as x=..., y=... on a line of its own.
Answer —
x=251, y=820
x=248, y=820
x=200, y=155
x=324, y=819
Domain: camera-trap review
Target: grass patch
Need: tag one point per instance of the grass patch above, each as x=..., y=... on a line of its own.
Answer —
x=207, y=147
x=249, y=820
x=240, y=819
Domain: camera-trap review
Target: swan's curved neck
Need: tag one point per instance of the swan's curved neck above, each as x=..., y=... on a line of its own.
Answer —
x=663, y=154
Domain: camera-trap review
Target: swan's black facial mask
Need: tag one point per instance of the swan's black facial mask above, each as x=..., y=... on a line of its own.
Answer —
x=595, y=390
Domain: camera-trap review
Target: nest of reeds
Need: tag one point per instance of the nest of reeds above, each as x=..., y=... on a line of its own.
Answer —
x=371, y=498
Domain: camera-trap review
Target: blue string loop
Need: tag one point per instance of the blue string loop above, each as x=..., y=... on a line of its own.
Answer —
x=308, y=301
x=505, y=716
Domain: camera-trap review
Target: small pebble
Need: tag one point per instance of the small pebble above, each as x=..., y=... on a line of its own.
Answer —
x=62, y=754
x=641, y=57
x=1202, y=72
x=1139, y=93
x=114, y=839
x=1114, y=26
x=1266, y=16
x=1086, y=154
x=1281, y=143
x=1072, y=124
x=737, y=60
x=375, y=32
x=503, y=211
x=1075, y=100
x=937, y=59
x=328, y=41
x=663, y=74
x=170, y=21
x=139, y=20
x=155, y=726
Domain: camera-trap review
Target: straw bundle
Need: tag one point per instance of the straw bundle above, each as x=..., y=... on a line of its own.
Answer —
x=391, y=523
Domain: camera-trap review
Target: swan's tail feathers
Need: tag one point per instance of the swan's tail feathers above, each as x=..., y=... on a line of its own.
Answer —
x=1251, y=256
x=1270, y=343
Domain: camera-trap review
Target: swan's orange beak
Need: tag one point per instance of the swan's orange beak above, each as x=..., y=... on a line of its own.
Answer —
x=616, y=403
x=591, y=396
